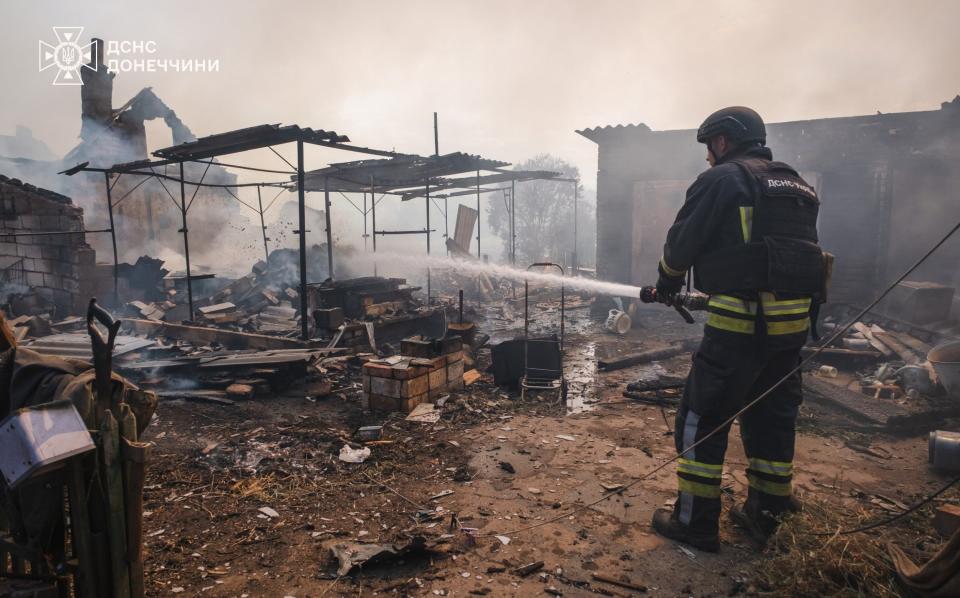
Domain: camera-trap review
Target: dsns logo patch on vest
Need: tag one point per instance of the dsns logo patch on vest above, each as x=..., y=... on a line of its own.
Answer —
x=789, y=185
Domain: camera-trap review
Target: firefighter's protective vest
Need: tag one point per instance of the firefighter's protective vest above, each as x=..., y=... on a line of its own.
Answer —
x=780, y=253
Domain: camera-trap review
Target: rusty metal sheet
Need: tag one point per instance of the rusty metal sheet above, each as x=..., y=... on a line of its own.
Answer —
x=77, y=345
x=463, y=231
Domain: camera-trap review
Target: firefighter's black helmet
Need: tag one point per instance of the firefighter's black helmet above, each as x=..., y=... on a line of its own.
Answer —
x=738, y=124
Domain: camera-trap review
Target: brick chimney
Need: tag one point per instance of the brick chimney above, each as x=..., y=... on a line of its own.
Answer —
x=96, y=94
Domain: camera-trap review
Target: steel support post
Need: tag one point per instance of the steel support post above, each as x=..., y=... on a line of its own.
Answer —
x=479, y=216
x=186, y=239
x=263, y=227
x=113, y=240
x=301, y=209
x=326, y=203
x=576, y=194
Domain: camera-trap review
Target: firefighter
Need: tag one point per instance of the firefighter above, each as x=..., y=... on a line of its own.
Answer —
x=748, y=228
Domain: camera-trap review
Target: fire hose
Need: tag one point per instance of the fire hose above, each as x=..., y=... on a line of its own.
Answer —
x=684, y=303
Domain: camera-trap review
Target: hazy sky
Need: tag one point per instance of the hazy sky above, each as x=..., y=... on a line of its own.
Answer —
x=509, y=79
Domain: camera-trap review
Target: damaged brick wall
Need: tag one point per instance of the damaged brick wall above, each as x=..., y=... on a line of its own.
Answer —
x=52, y=266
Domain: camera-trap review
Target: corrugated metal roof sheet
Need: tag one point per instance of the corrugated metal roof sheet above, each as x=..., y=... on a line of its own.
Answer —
x=470, y=182
x=881, y=120
x=596, y=133
x=77, y=345
x=242, y=140
x=402, y=172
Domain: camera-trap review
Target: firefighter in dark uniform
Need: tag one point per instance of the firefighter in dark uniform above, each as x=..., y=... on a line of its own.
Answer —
x=748, y=228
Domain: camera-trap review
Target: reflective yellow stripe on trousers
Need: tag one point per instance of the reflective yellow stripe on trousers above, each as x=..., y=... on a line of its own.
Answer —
x=781, y=468
x=771, y=307
x=704, y=470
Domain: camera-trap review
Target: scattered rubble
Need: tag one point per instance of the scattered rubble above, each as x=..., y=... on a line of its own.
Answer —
x=409, y=392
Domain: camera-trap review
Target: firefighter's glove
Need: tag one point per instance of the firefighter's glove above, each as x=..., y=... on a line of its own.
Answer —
x=667, y=286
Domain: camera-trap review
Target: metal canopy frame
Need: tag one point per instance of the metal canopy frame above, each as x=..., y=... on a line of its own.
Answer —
x=393, y=174
x=203, y=150
x=412, y=176
x=408, y=176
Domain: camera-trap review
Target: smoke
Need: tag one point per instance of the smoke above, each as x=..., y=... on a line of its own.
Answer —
x=507, y=95
x=614, y=62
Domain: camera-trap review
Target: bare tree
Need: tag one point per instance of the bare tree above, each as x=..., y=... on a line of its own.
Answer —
x=544, y=219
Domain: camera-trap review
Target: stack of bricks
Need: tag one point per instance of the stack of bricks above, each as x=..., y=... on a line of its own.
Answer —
x=401, y=383
x=52, y=265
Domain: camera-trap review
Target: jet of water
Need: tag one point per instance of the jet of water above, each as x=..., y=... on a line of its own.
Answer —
x=410, y=263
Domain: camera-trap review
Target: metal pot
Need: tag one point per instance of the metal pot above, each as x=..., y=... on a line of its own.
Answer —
x=945, y=359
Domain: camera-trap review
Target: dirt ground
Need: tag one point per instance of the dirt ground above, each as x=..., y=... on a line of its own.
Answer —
x=249, y=500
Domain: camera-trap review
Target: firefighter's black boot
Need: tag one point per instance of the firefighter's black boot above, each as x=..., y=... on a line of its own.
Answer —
x=665, y=524
x=794, y=505
x=758, y=521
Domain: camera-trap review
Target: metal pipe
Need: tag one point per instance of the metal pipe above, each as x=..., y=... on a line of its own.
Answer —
x=53, y=233
x=326, y=201
x=428, y=218
x=365, y=235
x=263, y=228
x=446, y=205
x=479, y=216
x=427, y=198
x=400, y=232
x=513, y=223
x=576, y=192
x=113, y=240
x=186, y=239
x=373, y=211
x=301, y=209
x=461, y=306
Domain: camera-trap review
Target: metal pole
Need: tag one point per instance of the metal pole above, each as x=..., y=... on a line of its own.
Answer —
x=479, y=257
x=428, y=218
x=428, y=235
x=263, y=227
x=186, y=240
x=576, y=192
x=113, y=239
x=365, y=235
x=373, y=219
x=373, y=214
x=513, y=223
x=326, y=201
x=301, y=201
x=446, y=205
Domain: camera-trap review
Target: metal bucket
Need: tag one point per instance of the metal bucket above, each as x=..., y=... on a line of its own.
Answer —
x=945, y=359
x=618, y=322
x=943, y=450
